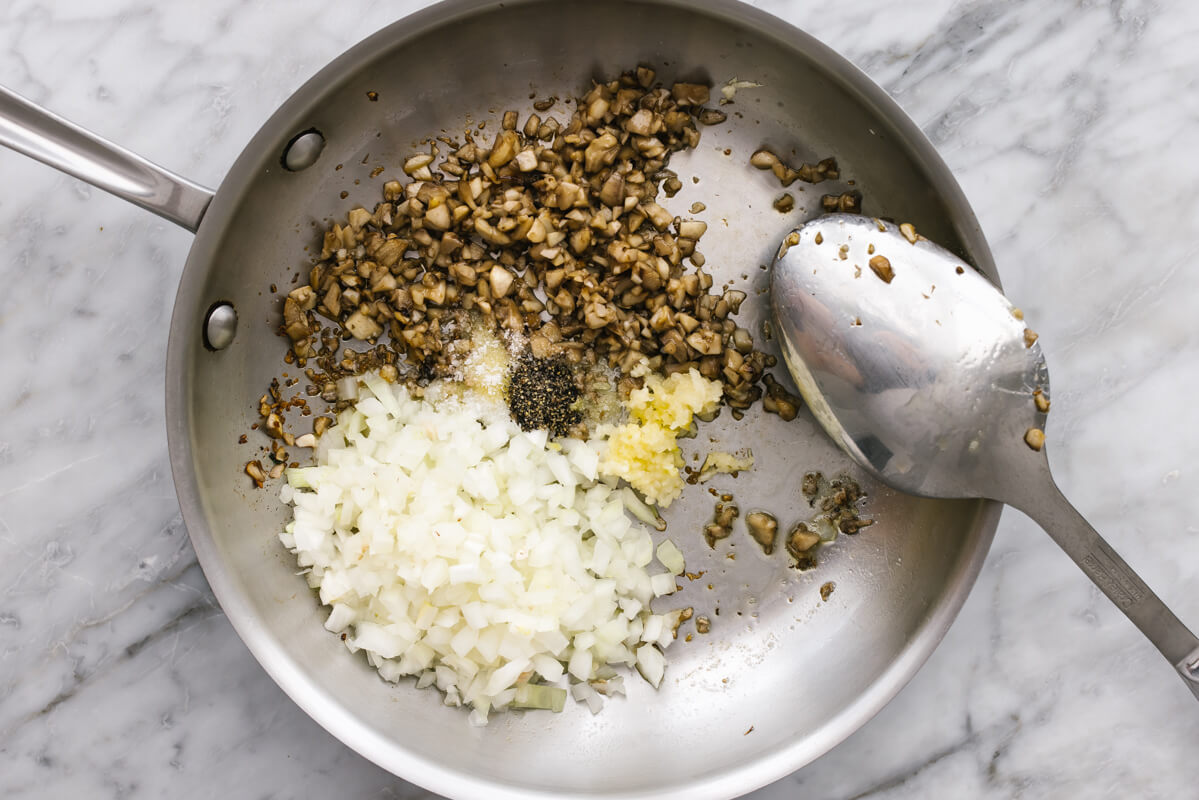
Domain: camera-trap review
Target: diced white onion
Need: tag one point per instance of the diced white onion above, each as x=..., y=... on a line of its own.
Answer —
x=454, y=547
x=651, y=664
x=663, y=584
x=671, y=557
x=583, y=693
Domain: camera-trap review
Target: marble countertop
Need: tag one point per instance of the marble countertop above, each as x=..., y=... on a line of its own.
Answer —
x=1071, y=125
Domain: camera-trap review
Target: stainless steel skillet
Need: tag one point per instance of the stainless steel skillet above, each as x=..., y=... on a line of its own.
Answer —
x=802, y=673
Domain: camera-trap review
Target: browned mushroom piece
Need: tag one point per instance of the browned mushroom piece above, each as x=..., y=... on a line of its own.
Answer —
x=881, y=267
x=552, y=228
x=801, y=540
x=690, y=94
x=273, y=425
x=1034, y=438
x=721, y=526
x=763, y=527
x=809, y=173
x=778, y=400
x=811, y=486
x=846, y=202
x=254, y=470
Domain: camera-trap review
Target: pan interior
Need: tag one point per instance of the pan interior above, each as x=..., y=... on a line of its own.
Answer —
x=799, y=671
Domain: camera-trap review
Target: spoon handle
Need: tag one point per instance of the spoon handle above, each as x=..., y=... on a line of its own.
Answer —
x=1053, y=512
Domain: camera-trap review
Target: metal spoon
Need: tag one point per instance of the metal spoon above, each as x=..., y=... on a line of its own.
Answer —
x=924, y=373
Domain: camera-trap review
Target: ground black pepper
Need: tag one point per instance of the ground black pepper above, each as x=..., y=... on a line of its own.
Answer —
x=542, y=393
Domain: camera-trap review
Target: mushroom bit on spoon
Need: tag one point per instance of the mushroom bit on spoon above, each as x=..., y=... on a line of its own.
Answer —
x=924, y=373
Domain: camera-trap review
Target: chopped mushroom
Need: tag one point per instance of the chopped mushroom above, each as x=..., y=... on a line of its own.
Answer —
x=1034, y=438
x=881, y=267
x=721, y=526
x=294, y=321
x=254, y=470
x=552, y=229
x=274, y=425
x=778, y=400
x=763, y=528
x=690, y=94
x=763, y=159
x=846, y=202
x=801, y=540
x=800, y=543
x=808, y=173
x=363, y=327
x=500, y=280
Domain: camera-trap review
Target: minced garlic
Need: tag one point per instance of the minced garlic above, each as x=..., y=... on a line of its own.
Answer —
x=672, y=402
x=645, y=451
x=719, y=461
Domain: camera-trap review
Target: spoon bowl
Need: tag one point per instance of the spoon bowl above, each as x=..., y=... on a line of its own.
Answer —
x=925, y=374
x=917, y=366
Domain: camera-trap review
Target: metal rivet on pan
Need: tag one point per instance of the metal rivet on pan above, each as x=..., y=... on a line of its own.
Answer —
x=220, y=326
x=303, y=150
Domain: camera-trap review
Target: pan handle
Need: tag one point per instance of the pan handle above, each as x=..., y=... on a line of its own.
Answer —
x=38, y=133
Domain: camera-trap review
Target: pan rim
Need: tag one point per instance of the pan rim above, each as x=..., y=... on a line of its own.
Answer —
x=265, y=645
